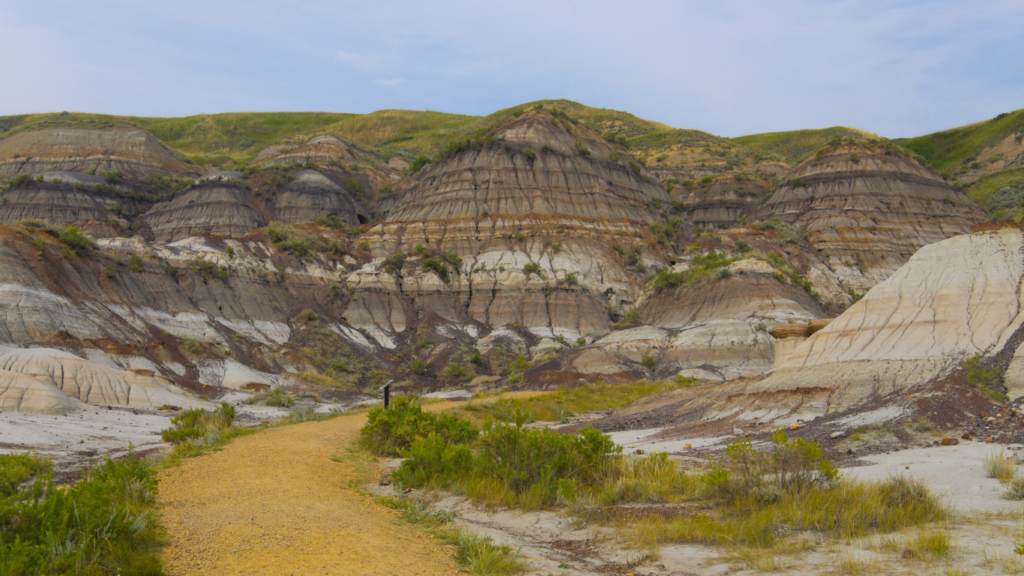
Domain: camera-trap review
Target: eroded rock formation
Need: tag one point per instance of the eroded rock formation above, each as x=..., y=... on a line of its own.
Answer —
x=132, y=151
x=868, y=209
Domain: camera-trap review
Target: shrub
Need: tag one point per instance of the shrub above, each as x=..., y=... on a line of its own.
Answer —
x=456, y=372
x=452, y=258
x=1015, y=489
x=568, y=280
x=391, y=432
x=742, y=246
x=208, y=269
x=532, y=268
x=581, y=341
x=329, y=221
x=632, y=318
x=999, y=467
x=393, y=264
x=74, y=239
x=420, y=250
x=275, y=396
x=437, y=267
x=649, y=362
x=581, y=148
x=196, y=423
x=794, y=465
x=290, y=240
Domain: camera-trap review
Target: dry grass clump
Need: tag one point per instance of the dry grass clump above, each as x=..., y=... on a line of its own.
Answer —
x=474, y=554
x=999, y=467
x=1014, y=489
x=276, y=396
x=844, y=510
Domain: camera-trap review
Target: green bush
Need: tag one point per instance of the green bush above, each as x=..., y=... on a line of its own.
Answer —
x=436, y=266
x=101, y=525
x=208, y=269
x=391, y=432
x=532, y=268
x=196, y=423
x=73, y=238
x=794, y=465
x=393, y=264
x=535, y=467
x=135, y=263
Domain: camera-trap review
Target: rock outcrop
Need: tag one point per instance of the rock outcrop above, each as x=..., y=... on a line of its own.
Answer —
x=723, y=201
x=868, y=209
x=322, y=149
x=952, y=301
x=220, y=206
x=542, y=214
x=132, y=151
x=311, y=195
x=52, y=381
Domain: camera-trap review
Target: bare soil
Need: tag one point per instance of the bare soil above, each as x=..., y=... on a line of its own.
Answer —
x=276, y=503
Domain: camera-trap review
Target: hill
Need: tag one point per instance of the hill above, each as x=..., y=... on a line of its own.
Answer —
x=794, y=145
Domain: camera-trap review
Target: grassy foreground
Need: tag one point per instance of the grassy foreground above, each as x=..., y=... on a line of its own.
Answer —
x=104, y=524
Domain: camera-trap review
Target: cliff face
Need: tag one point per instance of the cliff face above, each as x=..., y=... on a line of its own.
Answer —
x=311, y=195
x=724, y=201
x=542, y=214
x=221, y=207
x=869, y=210
x=132, y=151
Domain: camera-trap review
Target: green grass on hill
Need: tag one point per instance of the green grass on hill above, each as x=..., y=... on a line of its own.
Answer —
x=794, y=145
x=949, y=150
x=672, y=136
x=10, y=125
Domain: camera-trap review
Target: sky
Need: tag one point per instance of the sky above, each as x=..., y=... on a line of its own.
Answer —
x=729, y=67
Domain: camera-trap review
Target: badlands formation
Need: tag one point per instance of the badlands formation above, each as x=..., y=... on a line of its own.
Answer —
x=536, y=250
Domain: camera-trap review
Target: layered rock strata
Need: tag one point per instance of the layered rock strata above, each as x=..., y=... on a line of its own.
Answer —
x=311, y=195
x=220, y=206
x=132, y=151
x=868, y=209
x=542, y=216
x=320, y=150
x=953, y=300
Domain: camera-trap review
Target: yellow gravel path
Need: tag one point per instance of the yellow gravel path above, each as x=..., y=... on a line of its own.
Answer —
x=275, y=503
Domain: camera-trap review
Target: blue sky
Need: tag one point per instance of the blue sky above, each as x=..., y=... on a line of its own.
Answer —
x=729, y=67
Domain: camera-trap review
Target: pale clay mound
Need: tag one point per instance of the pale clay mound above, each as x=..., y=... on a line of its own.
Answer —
x=952, y=300
x=55, y=382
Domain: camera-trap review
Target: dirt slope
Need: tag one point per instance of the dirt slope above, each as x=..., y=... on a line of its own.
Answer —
x=275, y=503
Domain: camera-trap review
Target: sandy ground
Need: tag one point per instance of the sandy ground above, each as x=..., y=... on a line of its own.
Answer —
x=81, y=438
x=276, y=503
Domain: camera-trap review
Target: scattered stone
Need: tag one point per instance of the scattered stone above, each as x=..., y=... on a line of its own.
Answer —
x=794, y=425
x=989, y=439
x=737, y=431
x=638, y=451
x=950, y=441
x=909, y=555
x=835, y=435
x=687, y=446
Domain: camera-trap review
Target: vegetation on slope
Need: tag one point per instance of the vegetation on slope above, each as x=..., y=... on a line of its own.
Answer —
x=795, y=145
x=952, y=151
